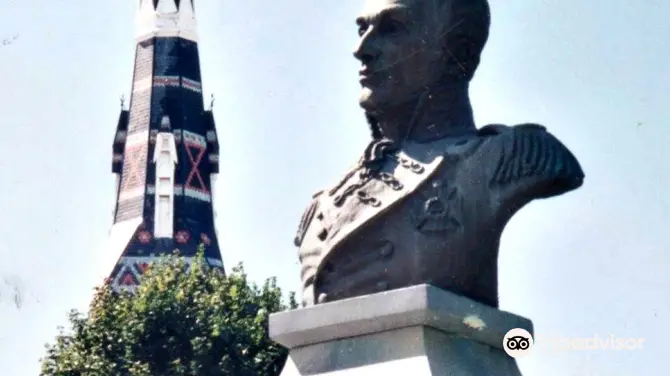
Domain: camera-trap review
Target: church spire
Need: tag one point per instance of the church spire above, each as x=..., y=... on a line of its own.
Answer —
x=166, y=18
x=165, y=151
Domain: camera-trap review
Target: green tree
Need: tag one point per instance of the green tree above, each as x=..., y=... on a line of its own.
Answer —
x=176, y=323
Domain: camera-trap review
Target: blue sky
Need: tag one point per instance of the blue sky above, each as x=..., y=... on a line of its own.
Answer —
x=592, y=262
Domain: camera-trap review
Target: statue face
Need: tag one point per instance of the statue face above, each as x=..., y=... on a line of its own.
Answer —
x=400, y=49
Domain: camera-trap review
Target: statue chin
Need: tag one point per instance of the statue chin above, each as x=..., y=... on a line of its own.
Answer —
x=370, y=101
x=365, y=98
x=380, y=99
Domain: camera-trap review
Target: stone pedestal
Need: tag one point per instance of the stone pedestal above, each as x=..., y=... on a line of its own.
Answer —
x=416, y=331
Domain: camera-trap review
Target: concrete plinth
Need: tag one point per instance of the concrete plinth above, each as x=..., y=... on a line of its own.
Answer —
x=416, y=331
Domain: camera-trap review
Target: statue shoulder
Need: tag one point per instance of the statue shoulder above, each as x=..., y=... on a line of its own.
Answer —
x=306, y=218
x=531, y=161
x=314, y=204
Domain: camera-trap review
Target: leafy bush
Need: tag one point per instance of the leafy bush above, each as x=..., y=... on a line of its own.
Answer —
x=176, y=323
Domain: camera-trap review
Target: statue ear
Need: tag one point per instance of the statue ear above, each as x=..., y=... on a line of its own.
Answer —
x=465, y=35
x=458, y=56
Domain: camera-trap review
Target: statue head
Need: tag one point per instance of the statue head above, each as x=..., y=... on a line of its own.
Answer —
x=409, y=46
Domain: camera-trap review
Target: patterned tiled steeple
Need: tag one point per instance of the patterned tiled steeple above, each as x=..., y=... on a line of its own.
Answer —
x=165, y=151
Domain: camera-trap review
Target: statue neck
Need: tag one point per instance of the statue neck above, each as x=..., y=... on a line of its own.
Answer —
x=436, y=113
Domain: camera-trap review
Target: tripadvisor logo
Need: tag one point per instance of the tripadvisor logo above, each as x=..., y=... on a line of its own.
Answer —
x=518, y=342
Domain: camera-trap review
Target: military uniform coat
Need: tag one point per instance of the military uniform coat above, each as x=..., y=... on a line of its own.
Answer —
x=431, y=213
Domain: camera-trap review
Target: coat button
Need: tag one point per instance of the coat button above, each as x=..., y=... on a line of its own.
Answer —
x=386, y=249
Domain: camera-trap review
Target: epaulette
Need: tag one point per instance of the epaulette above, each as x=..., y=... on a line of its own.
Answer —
x=492, y=130
x=496, y=129
x=530, y=151
x=532, y=126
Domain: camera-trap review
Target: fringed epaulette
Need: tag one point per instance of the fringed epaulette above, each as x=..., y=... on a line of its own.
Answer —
x=528, y=150
x=492, y=130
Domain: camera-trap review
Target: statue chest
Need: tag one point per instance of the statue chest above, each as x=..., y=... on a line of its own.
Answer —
x=415, y=200
x=374, y=206
x=363, y=198
x=372, y=232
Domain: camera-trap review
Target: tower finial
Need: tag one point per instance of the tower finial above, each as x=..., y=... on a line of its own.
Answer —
x=166, y=18
x=123, y=101
x=211, y=104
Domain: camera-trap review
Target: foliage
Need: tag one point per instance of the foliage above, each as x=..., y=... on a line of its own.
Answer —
x=176, y=323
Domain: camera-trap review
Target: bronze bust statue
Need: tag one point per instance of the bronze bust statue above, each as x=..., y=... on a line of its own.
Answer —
x=431, y=194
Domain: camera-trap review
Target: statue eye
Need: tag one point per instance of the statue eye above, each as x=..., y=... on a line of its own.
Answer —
x=362, y=28
x=390, y=27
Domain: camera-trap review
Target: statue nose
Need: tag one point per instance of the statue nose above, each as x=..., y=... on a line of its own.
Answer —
x=363, y=57
x=366, y=50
